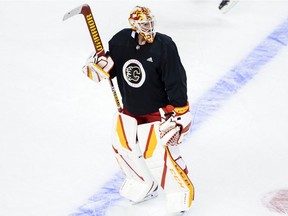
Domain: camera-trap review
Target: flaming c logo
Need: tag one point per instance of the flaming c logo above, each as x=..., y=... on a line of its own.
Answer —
x=134, y=73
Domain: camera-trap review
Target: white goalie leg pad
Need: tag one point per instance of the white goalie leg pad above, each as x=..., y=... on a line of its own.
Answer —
x=139, y=183
x=167, y=167
x=153, y=152
x=178, y=187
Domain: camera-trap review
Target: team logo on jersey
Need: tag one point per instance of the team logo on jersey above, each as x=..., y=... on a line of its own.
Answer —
x=134, y=73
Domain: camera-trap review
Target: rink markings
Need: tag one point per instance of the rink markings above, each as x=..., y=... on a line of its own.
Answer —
x=276, y=201
x=236, y=78
x=108, y=195
x=210, y=102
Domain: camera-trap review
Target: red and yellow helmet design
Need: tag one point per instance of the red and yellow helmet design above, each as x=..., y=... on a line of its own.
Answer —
x=142, y=21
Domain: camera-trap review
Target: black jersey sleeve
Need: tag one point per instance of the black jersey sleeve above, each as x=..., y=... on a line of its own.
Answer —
x=174, y=75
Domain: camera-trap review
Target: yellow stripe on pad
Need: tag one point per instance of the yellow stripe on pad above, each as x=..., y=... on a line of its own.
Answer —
x=183, y=176
x=151, y=143
x=121, y=133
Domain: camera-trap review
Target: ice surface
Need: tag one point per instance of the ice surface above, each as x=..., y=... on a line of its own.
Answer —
x=55, y=151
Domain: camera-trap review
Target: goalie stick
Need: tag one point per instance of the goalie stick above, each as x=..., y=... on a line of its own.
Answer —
x=85, y=10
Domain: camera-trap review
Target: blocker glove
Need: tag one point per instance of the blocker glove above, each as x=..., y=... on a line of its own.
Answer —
x=175, y=124
x=98, y=68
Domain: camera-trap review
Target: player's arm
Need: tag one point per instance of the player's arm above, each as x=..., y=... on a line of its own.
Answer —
x=174, y=75
x=176, y=117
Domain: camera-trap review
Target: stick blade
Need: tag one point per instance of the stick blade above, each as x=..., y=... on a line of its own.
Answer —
x=75, y=11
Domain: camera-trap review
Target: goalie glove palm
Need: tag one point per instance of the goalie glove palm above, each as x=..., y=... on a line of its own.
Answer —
x=98, y=68
x=175, y=124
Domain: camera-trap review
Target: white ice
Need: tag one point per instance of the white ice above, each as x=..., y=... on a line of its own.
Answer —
x=55, y=145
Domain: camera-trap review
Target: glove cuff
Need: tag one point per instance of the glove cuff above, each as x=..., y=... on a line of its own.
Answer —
x=181, y=110
x=169, y=109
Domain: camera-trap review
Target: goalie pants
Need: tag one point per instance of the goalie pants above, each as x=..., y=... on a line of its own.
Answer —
x=142, y=119
x=147, y=163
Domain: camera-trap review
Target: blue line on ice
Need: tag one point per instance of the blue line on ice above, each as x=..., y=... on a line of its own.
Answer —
x=210, y=102
x=103, y=199
x=238, y=76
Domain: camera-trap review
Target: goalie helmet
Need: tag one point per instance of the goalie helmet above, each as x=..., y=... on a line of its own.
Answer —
x=142, y=21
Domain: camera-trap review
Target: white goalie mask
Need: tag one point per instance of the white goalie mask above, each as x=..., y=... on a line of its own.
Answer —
x=142, y=21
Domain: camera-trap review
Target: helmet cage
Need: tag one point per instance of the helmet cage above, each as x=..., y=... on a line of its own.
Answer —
x=146, y=29
x=142, y=21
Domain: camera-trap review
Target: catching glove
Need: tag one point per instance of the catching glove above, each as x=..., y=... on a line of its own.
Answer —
x=98, y=68
x=175, y=124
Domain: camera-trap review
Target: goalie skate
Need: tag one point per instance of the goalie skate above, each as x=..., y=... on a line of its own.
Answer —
x=149, y=196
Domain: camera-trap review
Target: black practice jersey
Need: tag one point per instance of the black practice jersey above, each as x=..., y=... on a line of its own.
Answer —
x=150, y=76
